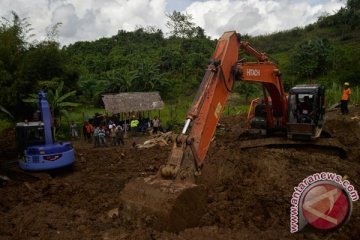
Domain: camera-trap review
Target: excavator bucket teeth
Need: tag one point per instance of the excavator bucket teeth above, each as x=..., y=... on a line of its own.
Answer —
x=165, y=205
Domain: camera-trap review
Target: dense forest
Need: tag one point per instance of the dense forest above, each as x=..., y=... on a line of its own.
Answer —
x=327, y=52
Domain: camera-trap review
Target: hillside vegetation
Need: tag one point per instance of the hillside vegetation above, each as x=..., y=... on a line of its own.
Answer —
x=327, y=52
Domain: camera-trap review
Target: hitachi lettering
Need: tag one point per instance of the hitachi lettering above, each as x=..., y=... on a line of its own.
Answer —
x=253, y=72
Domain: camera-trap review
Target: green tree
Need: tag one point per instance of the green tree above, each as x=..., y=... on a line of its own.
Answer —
x=27, y=67
x=88, y=85
x=311, y=58
x=120, y=80
x=147, y=76
x=353, y=4
x=42, y=63
x=127, y=80
x=14, y=35
x=181, y=25
x=58, y=102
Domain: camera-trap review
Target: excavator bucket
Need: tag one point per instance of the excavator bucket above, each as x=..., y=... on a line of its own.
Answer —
x=162, y=204
x=169, y=201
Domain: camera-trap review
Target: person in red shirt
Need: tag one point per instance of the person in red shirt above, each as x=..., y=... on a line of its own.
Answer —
x=345, y=99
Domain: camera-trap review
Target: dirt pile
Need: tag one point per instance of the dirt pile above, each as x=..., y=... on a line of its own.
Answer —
x=249, y=190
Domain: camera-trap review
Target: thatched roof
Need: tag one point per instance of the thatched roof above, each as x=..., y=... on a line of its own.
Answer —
x=132, y=102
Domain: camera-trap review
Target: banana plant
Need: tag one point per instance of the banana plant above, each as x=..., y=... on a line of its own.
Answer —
x=58, y=104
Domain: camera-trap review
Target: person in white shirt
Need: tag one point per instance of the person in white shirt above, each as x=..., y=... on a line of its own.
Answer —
x=156, y=124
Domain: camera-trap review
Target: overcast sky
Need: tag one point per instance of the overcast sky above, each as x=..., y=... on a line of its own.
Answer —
x=93, y=19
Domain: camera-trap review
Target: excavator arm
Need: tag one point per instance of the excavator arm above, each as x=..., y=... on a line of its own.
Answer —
x=261, y=57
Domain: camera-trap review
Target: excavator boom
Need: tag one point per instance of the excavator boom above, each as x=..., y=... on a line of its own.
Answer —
x=212, y=95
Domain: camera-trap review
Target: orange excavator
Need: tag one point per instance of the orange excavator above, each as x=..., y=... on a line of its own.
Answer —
x=171, y=200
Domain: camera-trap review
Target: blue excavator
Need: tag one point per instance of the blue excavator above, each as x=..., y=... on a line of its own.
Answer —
x=36, y=148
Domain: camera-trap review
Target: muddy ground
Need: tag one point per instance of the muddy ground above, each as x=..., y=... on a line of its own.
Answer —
x=249, y=190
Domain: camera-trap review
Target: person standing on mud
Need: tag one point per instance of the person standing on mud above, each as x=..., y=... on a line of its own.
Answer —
x=345, y=98
x=134, y=124
x=113, y=135
x=96, y=137
x=102, y=135
x=119, y=135
x=73, y=129
x=89, y=129
x=156, y=124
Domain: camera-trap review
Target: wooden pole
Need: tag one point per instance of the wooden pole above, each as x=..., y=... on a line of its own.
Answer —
x=82, y=128
x=125, y=127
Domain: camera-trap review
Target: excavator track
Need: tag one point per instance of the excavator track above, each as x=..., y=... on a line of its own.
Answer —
x=11, y=170
x=330, y=144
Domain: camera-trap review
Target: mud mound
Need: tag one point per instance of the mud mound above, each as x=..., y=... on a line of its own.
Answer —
x=249, y=190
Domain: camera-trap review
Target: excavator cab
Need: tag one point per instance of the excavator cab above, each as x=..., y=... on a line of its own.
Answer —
x=306, y=111
x=28, y=134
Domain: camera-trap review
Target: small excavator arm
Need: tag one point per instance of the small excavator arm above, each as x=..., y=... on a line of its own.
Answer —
x=261, y=57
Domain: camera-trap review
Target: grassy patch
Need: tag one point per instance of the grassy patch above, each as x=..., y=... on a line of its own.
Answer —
x=82, y=113
x=333, y=94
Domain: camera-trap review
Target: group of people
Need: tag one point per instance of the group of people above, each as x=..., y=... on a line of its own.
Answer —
x=105, y=132
x=116, y=134
x=100, y=133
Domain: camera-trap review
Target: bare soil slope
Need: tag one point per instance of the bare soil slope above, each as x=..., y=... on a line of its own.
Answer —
x=249, y=190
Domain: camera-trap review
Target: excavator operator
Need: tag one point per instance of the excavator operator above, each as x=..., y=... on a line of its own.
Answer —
x=305, y=111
